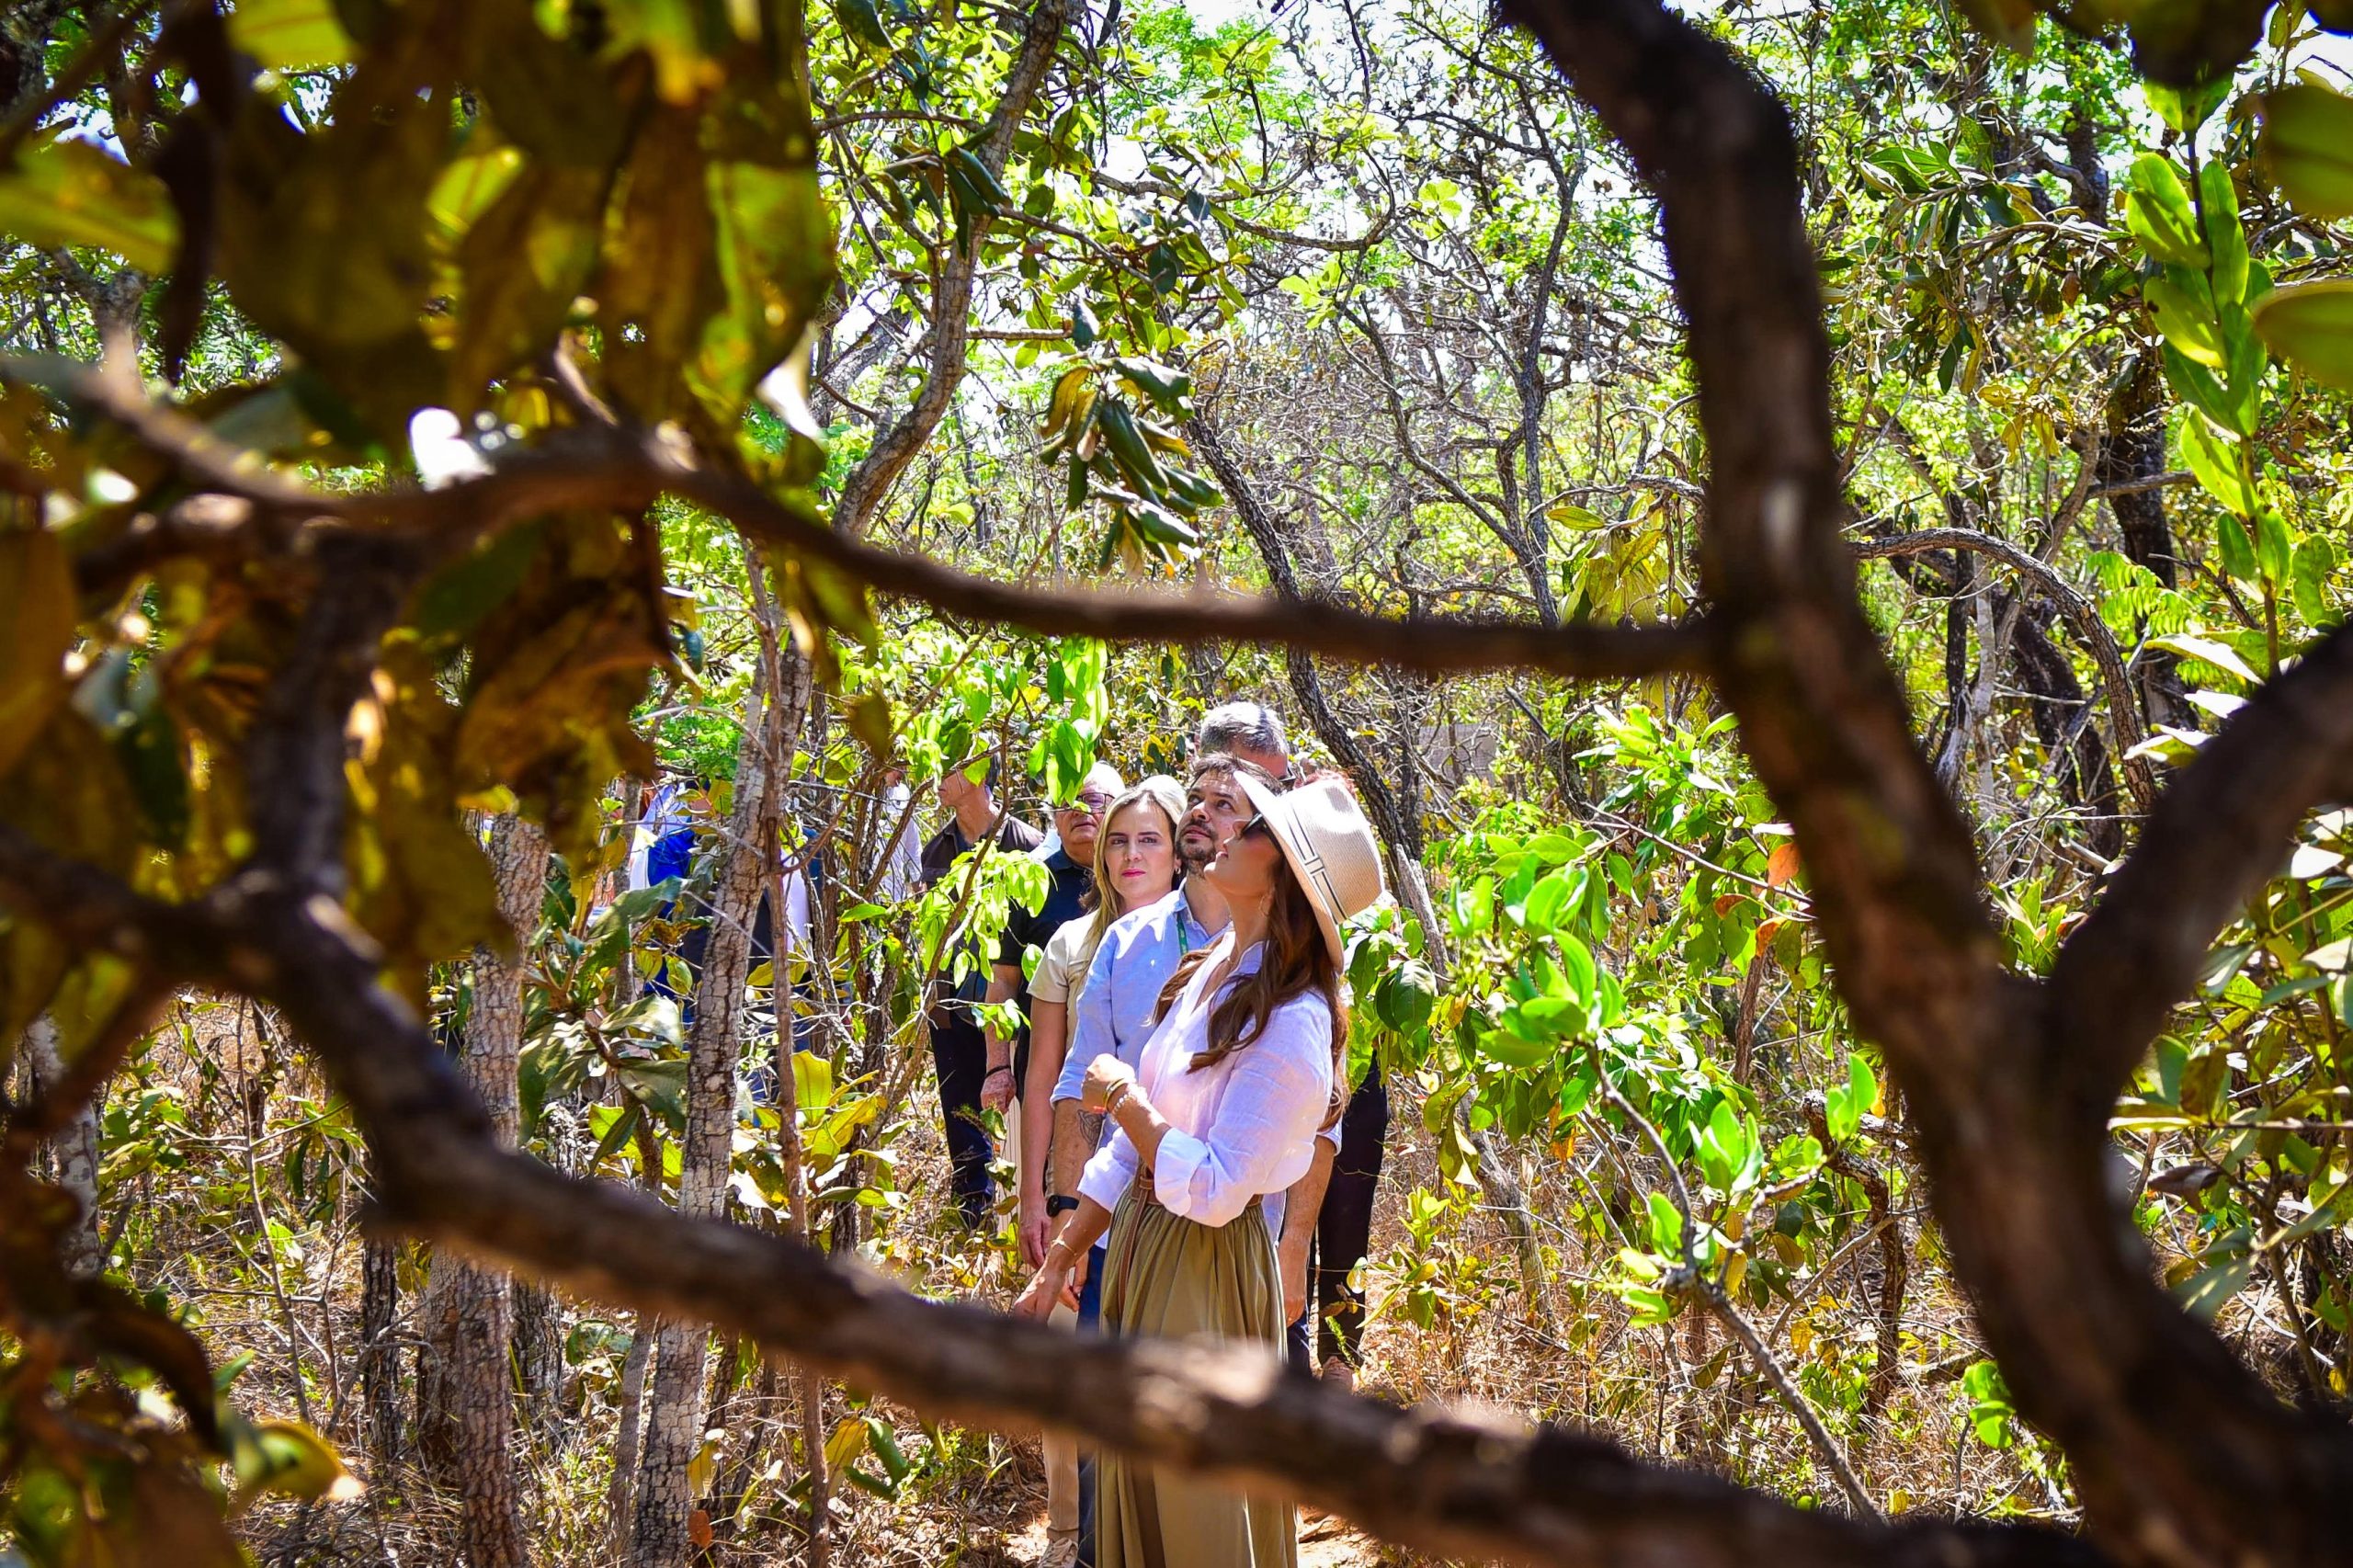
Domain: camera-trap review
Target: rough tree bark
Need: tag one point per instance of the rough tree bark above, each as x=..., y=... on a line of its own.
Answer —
x=2131, y=454
x=75, y=1151
x=466, y=1398
x=660, y=1537
x=672, y=1411
x=380, y=1379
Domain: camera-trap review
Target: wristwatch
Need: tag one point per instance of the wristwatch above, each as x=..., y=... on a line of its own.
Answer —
x=1059, y=1203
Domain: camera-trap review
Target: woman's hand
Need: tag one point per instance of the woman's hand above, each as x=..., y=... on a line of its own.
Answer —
x=1106, y=1071
x=1054, y=1285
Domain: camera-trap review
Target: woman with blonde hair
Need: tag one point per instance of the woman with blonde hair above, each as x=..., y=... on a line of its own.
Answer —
x=1239, y=1075
x=1135, y=866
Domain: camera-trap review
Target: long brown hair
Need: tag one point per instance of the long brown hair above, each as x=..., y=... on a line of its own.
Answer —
x=1294, y=961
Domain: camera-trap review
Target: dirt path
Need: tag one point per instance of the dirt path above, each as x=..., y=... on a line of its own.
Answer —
x=1324, y=1542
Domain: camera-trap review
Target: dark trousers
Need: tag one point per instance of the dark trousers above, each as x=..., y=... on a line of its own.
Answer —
x=1344, y=1232
x=961, y=1057
x=1090, y=1321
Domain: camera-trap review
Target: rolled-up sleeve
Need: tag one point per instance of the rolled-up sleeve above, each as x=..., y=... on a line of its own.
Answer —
x=1090, y=1031
x=1108, y=1174
x=1262, y=1138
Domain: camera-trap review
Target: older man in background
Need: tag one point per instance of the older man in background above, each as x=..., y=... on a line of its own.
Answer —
x=1071, y=865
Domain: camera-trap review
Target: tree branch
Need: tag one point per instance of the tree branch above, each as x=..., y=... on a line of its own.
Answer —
x=2180, y=1454
x=869, y=482
x=2218, y=832
x=2082, y=615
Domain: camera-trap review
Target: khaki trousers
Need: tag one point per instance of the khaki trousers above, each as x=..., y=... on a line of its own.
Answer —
x=1177, y=1279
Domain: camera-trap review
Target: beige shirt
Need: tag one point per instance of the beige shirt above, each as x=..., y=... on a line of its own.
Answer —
x=1062, y=971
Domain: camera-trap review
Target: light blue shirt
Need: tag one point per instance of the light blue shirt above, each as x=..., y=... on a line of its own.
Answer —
x=1123, y=984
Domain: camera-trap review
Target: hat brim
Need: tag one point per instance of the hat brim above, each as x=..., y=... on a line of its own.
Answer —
x=1272, y=810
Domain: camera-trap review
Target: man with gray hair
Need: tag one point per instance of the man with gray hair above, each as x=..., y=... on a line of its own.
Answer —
x=1251, y=730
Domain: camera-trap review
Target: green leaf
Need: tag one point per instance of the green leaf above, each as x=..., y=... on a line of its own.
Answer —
x=2207, y=651
x=2213, y=457
x=1730, y=1153
x=2274, y=551
x=2311, y=324
x=1576, y=960
x=2316, y=560
x=2185, y=109
x=2206, y=391
x=2218, y=201
x=291, y=35
x=2204, y=1292
x=1844, y=1107
x=2308, y=148
x=2157, y=210
x=1666, y=1227
x=862, y=22
x=2236, y=548
x=2185, y=312
x=1544, y=903
x=1166, y=386
x=66, y=191
x=1990, y=1409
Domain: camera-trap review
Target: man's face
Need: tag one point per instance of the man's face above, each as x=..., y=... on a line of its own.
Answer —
x=957, y=790
x=1080, y=822
x=1215, y=810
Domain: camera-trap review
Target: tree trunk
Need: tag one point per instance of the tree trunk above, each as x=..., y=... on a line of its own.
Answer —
x=661, y=1537
x=470, y=1419
x=538, y=1361
x=2134, y=452
x=619, y=1494
x=75, y=1151
x=380, y=1379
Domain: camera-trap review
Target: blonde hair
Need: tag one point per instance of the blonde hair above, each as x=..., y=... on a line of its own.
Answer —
x=1159, y=790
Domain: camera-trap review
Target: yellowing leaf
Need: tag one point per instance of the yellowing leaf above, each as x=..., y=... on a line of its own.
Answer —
x=73, y=192
x=291, y=35
x=2308, y=148
x=36, y=633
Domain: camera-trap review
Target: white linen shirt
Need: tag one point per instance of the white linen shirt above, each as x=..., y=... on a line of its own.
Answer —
x=1243, y=1129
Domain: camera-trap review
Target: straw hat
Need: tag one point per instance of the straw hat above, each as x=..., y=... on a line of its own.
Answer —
x=1323, y=836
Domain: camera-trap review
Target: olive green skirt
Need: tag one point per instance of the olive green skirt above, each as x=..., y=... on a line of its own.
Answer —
x=1177, y=1279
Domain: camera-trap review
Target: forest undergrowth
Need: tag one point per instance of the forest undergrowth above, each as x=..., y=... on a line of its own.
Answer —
x=238, y=1197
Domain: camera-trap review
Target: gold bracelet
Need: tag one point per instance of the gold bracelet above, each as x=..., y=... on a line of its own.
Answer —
x=1119, y=1096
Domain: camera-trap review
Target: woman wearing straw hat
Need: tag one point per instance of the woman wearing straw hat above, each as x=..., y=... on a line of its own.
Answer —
x=1135, y=866
x=1220, y=1119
